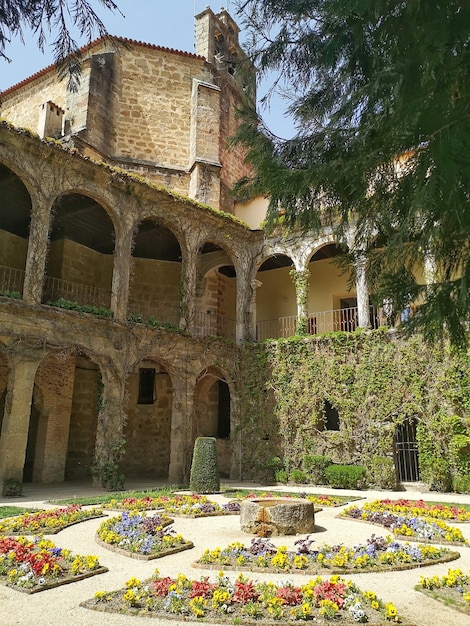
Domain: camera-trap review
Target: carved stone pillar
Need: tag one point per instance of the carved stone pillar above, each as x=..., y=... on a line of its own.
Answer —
x=121, y=274
x=188, y=286
x=37, y=251
x=15, y=427
x=182, y=409
x=111, y=419
x=300, y=280
x=362, y=291
x=246, y=301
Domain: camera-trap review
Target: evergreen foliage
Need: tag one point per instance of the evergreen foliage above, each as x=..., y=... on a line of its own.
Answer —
x=204, y=477
x=379, y=91
x=53, y=18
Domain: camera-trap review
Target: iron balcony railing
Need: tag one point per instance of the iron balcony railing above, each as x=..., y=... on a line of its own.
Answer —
x=56, y=289
x=211, y=323
x=11, y=279
x=153, y=312
x=318, y=323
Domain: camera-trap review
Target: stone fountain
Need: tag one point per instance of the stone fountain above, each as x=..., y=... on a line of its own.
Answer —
x=268, y=517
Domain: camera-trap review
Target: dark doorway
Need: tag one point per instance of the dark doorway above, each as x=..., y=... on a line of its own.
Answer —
x=406, y=451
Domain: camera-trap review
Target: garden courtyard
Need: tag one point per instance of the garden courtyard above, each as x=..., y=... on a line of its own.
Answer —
x=211, y=534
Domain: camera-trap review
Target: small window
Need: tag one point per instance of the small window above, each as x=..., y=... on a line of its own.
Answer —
x=331, y=416
x=146, y=386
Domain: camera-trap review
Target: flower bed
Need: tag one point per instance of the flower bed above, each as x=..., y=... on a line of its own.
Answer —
x=48, y=521
x=417, y=528
x=377, y=554
x=452, y=589
x=33, y=566
x=193, y=505
x=246, y=602
x=419, y=508
x=136, y=535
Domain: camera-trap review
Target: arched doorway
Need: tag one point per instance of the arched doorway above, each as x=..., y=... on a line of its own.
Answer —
x=406, y=451
x=212, y=415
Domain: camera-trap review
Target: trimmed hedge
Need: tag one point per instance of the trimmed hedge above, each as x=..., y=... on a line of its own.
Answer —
x=204, y=477
x=346, y=476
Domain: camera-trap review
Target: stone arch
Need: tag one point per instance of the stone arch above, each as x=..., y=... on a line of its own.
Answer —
x=332, y=303
x=15, y=217
x=147, y=431
x=276, y=300
x=80, y=258
x=212, y=413
x=216, y=291
x=154, y=289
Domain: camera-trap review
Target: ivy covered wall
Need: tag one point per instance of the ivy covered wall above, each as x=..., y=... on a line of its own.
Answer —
x=375, y=381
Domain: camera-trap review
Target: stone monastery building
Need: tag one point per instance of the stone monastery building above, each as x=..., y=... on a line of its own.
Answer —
x=128, y=273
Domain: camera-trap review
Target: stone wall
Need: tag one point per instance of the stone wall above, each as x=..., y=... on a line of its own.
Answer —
x=83, y=416
x=75, y=263
x=148, y=428
x=54, y=380
x=13, y=250
x=154, y=286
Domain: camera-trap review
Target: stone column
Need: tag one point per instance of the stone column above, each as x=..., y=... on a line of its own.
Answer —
x=362, y=291
x=121, y=274
x=188, y=286
x=182, y=409
x=300, y=280
x=111, y=417
x=15, y=427
x=37, y=251
x=246, y=301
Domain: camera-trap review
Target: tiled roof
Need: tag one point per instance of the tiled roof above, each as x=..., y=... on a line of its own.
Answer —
x=123, y=40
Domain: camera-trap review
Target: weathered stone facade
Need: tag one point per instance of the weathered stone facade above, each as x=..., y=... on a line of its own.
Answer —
x=114, y=206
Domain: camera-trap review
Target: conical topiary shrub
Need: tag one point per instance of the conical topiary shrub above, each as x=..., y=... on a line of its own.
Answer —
x=204, y=476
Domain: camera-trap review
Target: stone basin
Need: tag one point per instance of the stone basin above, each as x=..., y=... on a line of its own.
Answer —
x=268, y=517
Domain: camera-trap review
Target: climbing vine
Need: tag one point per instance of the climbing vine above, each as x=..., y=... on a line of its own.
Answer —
x=373, y=380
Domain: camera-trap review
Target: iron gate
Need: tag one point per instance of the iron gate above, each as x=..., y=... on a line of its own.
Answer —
x=406, y=451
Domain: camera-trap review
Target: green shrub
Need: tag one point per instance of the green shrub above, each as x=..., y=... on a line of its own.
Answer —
x=437, y=475
x=459, y=448
x=274, y=464
x=346, y=476
x=461, y=483
x=281, y=476
x=315, y=467
x=204, y=477
x=10, y=294
x=12, y=487
x=298, y=476
x=381, y=473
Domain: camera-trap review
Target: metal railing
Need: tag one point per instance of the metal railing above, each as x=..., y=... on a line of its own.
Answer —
x=11, y=279
x=318, y=323
x=56, y=288
x=211, y=323
x=153, y=311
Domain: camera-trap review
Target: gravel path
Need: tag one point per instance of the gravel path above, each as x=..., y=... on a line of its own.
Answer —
x=60, y=606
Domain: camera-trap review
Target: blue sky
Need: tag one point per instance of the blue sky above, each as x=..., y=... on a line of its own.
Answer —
x=161, y=22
